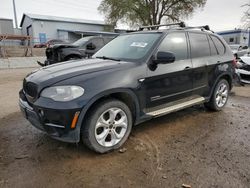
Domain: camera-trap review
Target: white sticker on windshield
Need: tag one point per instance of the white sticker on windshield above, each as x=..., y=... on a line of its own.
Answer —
x=139, y=44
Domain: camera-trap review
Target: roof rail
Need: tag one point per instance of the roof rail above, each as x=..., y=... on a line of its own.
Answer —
x=205, y=27
x=181, y=24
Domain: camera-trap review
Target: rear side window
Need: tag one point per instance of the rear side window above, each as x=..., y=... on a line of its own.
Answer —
x=212, y=47
x=220, y=47
x=199, y=45
x=175, y=43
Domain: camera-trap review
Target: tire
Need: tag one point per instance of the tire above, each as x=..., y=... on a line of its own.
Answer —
x=219, y=97
x=114, y=120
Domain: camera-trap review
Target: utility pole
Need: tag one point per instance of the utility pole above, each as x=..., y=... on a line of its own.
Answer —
x=15, y=17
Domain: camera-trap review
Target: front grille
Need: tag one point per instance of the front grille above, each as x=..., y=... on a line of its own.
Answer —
x=30, y=89
x=245, y=77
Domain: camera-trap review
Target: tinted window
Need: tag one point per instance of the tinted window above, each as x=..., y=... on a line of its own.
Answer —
x=212, y=47
x=199, y=45
x=82, y=41
x=175, y=43
x=98, y=42
x=220, y=47
x=107, y=40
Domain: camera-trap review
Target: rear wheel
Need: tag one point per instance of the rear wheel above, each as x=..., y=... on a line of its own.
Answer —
x=107, y=126
x=220, y=96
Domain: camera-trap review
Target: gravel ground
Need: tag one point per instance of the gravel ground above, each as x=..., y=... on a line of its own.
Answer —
x=193, y=146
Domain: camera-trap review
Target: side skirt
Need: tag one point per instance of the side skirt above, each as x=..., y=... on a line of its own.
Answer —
x=175, y=106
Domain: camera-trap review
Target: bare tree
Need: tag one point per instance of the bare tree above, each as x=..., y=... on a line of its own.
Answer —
x=246, y=18
x=148, y=12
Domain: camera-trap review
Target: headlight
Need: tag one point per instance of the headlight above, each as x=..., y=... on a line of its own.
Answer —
x=63, y=93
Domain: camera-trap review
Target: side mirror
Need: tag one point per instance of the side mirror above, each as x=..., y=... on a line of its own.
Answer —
x=164, y=58
x=90, y=46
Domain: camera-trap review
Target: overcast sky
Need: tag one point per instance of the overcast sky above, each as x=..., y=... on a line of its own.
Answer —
x=219, y=14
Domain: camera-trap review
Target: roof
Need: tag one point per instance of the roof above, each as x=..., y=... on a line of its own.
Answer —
x=60, y=19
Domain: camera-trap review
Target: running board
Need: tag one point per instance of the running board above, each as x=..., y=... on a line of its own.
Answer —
x=176, y=107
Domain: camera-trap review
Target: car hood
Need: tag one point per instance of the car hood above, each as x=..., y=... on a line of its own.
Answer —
x=245, y=59
x=52, y=74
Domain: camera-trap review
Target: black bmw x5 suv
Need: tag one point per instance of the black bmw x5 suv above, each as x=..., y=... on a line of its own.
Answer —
x=134, y=78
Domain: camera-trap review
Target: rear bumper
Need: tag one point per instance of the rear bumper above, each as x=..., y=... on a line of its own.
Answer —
x=58, y=131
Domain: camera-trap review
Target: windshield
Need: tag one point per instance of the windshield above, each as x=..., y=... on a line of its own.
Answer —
x=129, y=47
x=81, y=41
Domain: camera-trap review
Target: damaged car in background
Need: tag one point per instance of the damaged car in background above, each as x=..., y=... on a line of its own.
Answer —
x=82, y=48
x=239, y=50
x=243, y=69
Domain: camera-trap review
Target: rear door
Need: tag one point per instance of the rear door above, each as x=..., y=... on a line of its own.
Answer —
x=200, y=54
x=173, y=81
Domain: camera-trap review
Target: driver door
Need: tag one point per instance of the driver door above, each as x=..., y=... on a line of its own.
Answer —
x=172, y=81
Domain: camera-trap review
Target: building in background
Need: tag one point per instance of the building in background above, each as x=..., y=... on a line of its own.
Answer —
x=43, y=28
x=237, y=36
x=6, y=26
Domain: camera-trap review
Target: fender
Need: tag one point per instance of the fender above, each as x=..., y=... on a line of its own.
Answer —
x=68, y=52
x=103, y=94
x=217, y=80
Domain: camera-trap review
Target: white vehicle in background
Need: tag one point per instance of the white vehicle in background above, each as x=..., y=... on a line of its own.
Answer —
x=239, y=50
x=243, y=69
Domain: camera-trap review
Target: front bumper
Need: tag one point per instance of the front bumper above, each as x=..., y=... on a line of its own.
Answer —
x=244, y=75
x=51, y=121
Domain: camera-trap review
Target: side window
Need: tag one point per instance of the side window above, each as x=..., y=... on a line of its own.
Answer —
x=107, y=40
x=212, y=47
x=175, y=43
x=199, y=45
x=98, y=42
x=220, y=47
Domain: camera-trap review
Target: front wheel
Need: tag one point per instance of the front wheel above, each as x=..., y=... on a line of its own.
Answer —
x=220, y=96
x=107, y=126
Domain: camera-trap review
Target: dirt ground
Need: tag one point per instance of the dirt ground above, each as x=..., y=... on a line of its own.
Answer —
x=193, y=146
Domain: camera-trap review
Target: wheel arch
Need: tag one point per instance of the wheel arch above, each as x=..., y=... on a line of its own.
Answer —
x=225, y=76
x=125, y=95
x=72, y=55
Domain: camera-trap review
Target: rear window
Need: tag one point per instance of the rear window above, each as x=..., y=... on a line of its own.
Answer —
x=219, y=45
x=199, y=45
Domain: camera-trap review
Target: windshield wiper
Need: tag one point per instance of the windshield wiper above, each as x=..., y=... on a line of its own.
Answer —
x=109, y=58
